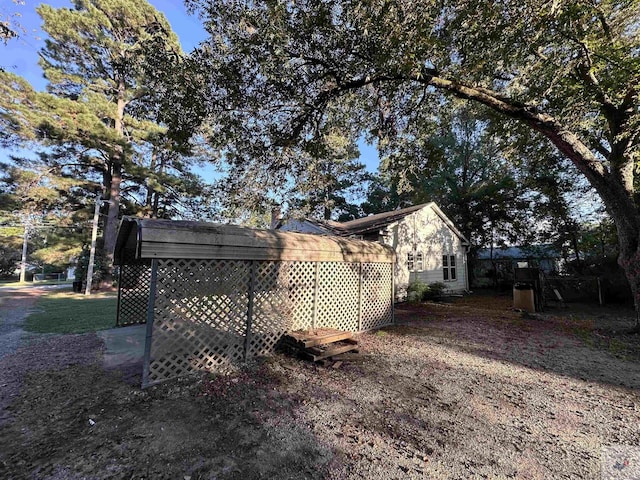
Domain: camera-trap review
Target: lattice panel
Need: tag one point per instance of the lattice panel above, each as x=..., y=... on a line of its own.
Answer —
x=202, y=308
x=272, y=307
x=302, y=278
x=377, y=289
x=200, y=316
x=337, y=301
x=133, y=294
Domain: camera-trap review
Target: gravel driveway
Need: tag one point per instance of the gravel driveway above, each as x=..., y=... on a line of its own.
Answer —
x=15, y=306
x=454, y=392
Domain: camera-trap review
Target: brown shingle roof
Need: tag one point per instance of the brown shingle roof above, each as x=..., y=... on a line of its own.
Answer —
x=370, y=224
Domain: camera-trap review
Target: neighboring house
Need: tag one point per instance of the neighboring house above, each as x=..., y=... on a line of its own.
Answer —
x=495, y=268
x=429, y=248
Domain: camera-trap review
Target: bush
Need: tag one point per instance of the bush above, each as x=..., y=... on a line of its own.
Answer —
x=420, y=291
x=416, y=291
x=435, y=290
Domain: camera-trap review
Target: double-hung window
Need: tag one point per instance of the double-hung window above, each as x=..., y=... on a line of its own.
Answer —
x=415, y=261
x=449, y=273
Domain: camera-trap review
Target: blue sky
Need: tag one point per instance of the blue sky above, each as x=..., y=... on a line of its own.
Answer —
x=21, y=56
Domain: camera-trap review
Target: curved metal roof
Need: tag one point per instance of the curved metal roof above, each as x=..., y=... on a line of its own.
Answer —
x=140, y=239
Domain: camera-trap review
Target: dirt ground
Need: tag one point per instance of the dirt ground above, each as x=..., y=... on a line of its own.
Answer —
x=460, y=390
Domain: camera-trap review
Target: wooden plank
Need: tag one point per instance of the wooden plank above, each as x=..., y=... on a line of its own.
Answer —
x=328, y=353
x=319, y=351
x=325, y=339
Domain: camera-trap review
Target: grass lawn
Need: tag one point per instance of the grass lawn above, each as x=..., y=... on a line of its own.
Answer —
x=65, y=312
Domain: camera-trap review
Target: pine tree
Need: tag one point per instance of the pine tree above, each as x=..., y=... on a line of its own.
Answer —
x=96, y=62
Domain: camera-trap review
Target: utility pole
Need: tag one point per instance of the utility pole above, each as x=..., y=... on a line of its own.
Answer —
x=92, y=252
x=23, y=262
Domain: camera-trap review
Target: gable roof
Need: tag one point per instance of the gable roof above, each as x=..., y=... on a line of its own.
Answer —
x=374, y=223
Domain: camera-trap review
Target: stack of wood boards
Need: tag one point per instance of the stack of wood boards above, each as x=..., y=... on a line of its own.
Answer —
x=318, y=344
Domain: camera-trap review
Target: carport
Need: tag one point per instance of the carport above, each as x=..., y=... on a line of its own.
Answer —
x=214, y=295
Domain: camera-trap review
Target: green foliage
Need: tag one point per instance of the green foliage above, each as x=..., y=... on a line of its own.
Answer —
x=64, y=313
x=435, y=290
x=416, y=291
x=103, y=118
x=329, y=177
x=9, y=259
x=419, y=291
x=375, y=60
x=50, y=205
x=453, y=159
x=566, y=72
x=101, y=266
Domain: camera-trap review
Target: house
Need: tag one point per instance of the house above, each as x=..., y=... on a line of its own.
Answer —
x=429, y=248
x=494, y=267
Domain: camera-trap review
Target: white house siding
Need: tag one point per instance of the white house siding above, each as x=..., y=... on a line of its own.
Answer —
x=425, y=231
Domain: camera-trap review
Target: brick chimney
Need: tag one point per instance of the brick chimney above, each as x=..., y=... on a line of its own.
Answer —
x=276, y=217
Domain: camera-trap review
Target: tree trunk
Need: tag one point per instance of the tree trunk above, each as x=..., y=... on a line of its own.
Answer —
x=629, y=260
x=152, y=169
x=156, y=195
x=111, y=222
x=613, y=180
x=117, y=160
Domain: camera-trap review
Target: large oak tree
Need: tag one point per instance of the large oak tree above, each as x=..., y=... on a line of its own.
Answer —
x=566, y=69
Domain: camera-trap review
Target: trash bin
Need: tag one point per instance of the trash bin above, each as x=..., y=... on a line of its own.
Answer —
x=77, y=286
x=524, y=297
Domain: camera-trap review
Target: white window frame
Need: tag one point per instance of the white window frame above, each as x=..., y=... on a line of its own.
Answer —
x=449, y=268
x=419, y=256
x=410, y=261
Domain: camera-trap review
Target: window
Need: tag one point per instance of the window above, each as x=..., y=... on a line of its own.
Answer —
x=419, y=262
x=410, y=261
x=449, y=273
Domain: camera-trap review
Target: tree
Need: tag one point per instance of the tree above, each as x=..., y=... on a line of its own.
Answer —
x=453, y=159
x=10, y=26
x=329, y=177
x=103, y=117
x=95, y=58
x=47, y=208
x=568, y=70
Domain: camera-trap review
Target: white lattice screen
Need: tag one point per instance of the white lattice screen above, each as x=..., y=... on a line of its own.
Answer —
x=210, y=314
x=133, y=294
x=377, y=295
x=338, y=298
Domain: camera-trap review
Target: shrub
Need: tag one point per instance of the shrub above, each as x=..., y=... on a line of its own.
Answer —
x=416, y=291
x=420, y=291
x=434, y=290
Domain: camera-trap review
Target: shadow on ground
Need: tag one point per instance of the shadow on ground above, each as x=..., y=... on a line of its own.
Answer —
x=589, y=348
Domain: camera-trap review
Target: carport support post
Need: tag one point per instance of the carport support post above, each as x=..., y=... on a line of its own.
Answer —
x=360, y=296
x=314, y=314
x=393, y=295
x=119, y=294
x=150, y=314
x=252, y=286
